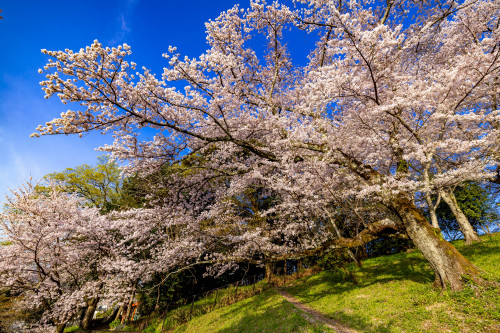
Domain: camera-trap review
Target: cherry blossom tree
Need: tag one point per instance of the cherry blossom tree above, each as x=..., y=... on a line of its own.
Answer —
x=58, y=256
x=390, y=91
x=42, y=260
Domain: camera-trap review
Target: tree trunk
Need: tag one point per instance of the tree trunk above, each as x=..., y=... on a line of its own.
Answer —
x=432, y=211
x=449, y=266
x=269, y=271
x=112, y=317
x=129, y=306
x=349, y=252
x=339, y=234
x=121, y=311
x=354, y=258
x=81, y=315
x=86, y=323
x=470, y=235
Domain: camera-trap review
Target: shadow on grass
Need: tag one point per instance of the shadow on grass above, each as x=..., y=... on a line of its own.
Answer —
x=269, y=314
x=412, y=267
x=264, y=313
x=489, y=246
x=485, y=255
x=384, y=271
x=397, y=267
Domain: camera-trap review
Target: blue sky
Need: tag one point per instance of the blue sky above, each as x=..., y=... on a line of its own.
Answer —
x=149, y=26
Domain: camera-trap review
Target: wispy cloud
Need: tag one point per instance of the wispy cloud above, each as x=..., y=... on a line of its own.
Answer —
x=21, y=110
x=124, y=26
x=123, y=22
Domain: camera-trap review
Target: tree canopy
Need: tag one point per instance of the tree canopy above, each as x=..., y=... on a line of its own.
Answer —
x=259, y=152
x=99, y=185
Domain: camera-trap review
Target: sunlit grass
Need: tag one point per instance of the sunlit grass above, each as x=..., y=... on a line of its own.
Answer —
x=394, y=294
x=267, y=312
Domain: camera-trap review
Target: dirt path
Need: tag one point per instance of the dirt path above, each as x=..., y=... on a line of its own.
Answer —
x=315, y=315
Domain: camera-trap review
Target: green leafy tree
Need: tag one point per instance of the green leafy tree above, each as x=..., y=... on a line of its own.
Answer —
x=100, y=185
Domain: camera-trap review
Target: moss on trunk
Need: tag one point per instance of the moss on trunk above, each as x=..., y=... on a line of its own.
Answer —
x=450, y=266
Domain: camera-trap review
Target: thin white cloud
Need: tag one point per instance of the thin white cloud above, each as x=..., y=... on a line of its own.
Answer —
x=124, y=26
x=123, y=20
x=22, y=108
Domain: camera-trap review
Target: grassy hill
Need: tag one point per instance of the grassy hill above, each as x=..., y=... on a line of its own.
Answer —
x=393, y=294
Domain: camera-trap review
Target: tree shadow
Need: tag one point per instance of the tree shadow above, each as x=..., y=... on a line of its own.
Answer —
x=486, y=248
x=265, y=315
x=412, y=268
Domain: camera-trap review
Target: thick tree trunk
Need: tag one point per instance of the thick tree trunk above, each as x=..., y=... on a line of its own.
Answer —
x=470, y=235
x=86, y=323
x=448, y=264
x=269, y=271
x=81, y=315
x=428, y=199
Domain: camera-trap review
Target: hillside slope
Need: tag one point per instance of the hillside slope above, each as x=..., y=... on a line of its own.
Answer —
x=393, y=294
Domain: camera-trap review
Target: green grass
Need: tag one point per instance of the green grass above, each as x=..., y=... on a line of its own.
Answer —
x=221, y=298
x=71, y=329
x=395, y=294
x=266, y=312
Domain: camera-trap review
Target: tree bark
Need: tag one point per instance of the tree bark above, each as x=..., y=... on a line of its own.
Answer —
x=339, y=234
x=269, y=271
x=449, y=266
x=86, y=323
x=129, y=306
x=432, y=211
x=81, y=315
x=428, y=199
x=121, y=311
x=470, y=235
x=354, y=258
x=349, y=252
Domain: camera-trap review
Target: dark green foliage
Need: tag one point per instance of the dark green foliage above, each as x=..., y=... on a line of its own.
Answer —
x=179, y=289
x=387, y=245
x=330, y=261
x=476, y=204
